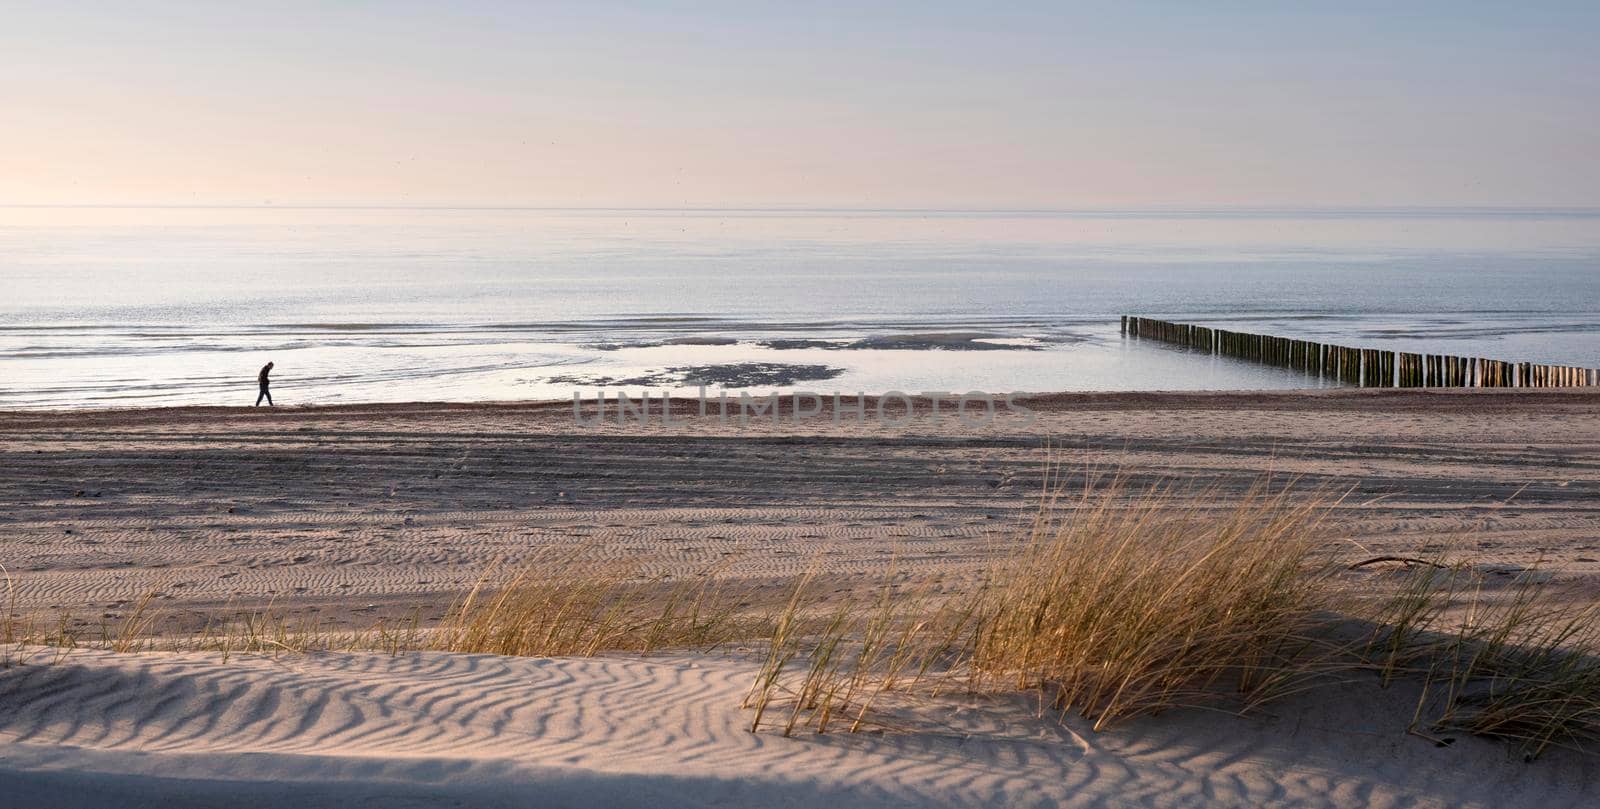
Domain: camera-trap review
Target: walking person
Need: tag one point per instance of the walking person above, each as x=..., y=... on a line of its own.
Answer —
x=265, y=383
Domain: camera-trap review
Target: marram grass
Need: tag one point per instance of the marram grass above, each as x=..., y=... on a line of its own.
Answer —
x=1120, y=603
x=1115, y=603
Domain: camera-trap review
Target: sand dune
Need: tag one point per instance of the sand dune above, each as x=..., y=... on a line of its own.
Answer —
x=100, y=729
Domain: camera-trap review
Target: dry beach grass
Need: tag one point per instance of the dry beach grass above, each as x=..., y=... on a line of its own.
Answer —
x=1117, y=605
x=1114, y=603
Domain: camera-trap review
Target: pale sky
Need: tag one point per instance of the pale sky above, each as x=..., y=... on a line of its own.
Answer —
x=702, y=104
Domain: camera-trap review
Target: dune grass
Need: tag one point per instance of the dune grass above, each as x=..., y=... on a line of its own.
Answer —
x=551, y=607
x=1114, y=603
x=1119, y=603
x=1521, y=664
x=1119, y=608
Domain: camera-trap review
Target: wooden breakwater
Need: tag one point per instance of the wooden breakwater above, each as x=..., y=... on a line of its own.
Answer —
x=1362, y=367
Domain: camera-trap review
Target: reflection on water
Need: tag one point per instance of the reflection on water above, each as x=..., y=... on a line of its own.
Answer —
x=161, y=306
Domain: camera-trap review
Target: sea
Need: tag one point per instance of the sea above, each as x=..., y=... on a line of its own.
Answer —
x=105, y=307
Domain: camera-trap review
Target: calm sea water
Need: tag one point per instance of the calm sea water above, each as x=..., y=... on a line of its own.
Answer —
x=121, y=307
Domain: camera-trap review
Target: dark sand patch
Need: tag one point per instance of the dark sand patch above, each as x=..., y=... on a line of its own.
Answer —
x=731, y=375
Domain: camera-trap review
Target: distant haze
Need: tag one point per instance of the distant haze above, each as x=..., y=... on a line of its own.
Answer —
x=928, y=104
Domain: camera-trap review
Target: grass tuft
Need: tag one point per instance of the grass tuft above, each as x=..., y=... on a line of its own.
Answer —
x=1125, y=606
x=552, y=608
x=1119, y=603
x=1112, y=605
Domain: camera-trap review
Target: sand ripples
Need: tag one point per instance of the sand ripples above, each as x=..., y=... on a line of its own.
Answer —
x=668, y=731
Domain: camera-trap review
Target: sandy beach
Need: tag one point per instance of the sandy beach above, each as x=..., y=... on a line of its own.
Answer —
x=409, y=504
x=354, y=514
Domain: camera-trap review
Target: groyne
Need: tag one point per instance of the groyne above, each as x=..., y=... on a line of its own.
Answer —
x=1362, y=367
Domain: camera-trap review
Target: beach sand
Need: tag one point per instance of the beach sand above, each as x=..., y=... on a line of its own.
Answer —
x=353, y=513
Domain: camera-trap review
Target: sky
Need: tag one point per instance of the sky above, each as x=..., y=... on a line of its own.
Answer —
x=1054, y=105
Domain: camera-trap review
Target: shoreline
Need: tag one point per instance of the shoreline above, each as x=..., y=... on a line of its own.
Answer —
x=1097, y=399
